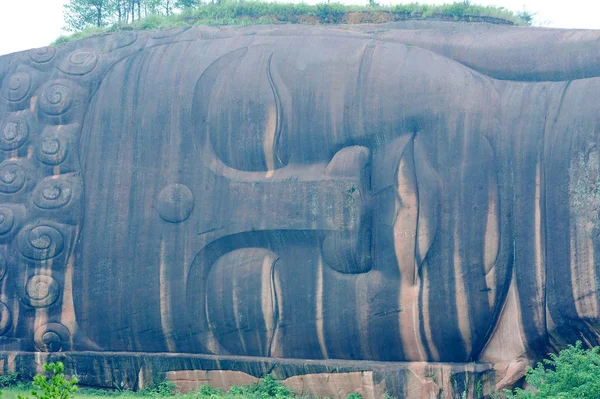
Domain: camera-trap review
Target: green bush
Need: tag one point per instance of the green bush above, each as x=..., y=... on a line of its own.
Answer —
x=57, y=387
x=14, y=382
x=267, y=387
x=9, y=379
x=526, y=16
x=331, y=13
x=206, y=390
x=161, y=388
x=573, y=373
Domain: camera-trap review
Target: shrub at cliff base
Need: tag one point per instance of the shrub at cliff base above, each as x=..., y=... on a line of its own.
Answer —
x=56, y=387
x=573, y=373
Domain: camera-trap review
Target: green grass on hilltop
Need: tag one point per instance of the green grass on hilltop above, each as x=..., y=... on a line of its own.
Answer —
x=255, y=12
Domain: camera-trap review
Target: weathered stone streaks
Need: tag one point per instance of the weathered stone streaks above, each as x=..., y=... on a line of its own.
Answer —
x=240, y=200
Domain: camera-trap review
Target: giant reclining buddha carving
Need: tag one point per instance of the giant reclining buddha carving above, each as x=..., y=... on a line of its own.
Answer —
x=418, y=191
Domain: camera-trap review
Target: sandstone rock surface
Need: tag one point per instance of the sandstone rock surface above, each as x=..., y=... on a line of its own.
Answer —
x=403, y=192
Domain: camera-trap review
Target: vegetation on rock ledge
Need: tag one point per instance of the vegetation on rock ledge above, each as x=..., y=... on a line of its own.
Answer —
x=573, y=373
x=53, y=384
x=259, y=12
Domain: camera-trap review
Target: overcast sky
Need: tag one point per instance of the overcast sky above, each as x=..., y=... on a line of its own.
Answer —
x=26, y=24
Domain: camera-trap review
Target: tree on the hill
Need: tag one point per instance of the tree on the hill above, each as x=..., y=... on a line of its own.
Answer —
x=121, y=10
x=156, y=7
x=139, y=9
x=526, y=16
x=182, y=4
x=80, y=14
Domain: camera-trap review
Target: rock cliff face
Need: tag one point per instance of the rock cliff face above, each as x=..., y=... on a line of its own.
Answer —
x=406, y=192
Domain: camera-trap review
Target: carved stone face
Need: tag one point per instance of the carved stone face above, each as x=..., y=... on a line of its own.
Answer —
x=308, y=203
x=291, y=195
